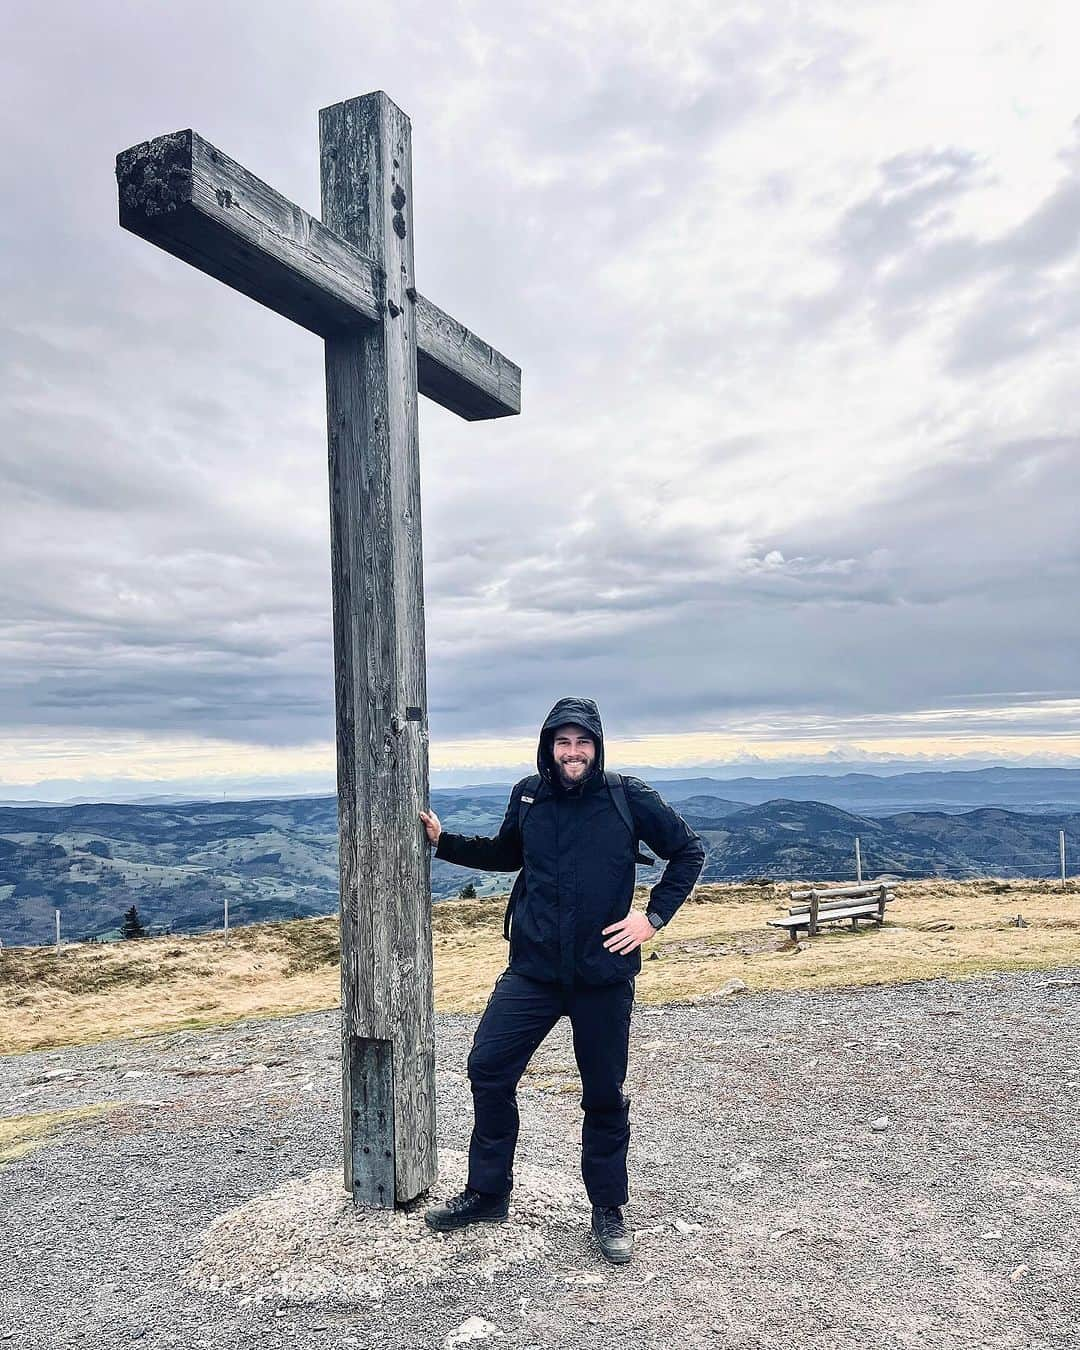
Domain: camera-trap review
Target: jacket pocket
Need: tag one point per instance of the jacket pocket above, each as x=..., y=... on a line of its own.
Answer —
x=531, y=939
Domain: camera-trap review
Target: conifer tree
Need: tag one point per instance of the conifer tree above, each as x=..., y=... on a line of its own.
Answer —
x=132, y=926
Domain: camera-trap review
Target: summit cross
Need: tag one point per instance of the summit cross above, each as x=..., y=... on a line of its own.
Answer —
x=349, y=279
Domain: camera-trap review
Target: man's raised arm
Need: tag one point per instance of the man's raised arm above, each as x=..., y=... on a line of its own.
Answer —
x=499, y=854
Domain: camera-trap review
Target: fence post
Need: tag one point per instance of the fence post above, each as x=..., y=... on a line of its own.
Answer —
x=58, y=932
x=858, y=861
x=1061, y=850
x=226, y=918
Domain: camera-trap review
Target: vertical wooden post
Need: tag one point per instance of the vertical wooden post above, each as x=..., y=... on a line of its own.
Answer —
x=226, y=918
x=58, y=932
x=812, y=925
x=1061, y=850
x=883, y=895
x=858, y=861
x=388, y=1059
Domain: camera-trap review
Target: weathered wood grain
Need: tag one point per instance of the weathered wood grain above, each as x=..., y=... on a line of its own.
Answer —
x=183, y=194
x=458, y=370
x=824, y=906
x=810, y=919
x=192, y=200
x=350, y=279
x=865, y=888
x=377, y=564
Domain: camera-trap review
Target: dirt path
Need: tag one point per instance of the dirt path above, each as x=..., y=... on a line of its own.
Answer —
x=770, y=1212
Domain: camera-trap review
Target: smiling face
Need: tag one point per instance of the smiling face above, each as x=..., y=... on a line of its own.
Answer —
x=574, y=752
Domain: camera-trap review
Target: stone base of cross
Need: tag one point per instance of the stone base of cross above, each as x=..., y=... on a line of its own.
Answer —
x=349, y=278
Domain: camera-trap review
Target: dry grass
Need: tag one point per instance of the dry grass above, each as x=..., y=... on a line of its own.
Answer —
x=98, y=992
x=981, y=939
x=95, y=993
x=723, y=933
x=20, y=1135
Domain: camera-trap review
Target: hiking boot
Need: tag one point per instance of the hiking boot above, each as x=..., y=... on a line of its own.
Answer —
x=468, y=1207
x=615, y=1238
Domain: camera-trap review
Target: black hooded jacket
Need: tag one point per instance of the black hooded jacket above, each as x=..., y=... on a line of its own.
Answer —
x=577, y=862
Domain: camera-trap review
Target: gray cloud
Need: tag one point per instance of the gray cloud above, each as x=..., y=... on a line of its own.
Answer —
x=162, y=443
x=899, y=250
x=958, y=585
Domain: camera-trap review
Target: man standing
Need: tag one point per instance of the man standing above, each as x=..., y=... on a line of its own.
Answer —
x=573, y=830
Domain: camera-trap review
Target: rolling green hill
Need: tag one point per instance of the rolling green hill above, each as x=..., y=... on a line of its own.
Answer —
x=278, y=859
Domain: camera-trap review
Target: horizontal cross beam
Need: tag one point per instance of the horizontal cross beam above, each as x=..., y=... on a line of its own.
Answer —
x=184, y=195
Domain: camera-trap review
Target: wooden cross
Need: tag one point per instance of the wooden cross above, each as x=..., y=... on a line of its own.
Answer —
x=349, y=278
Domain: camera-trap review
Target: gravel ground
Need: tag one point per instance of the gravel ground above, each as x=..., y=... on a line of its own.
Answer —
x=769, y=1211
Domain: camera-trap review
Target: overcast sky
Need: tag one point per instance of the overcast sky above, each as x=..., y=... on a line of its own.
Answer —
x=795, y=292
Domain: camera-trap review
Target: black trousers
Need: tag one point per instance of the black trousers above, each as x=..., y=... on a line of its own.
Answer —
x=519, y=1014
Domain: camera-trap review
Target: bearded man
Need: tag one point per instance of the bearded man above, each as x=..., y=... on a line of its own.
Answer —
x=573, y=830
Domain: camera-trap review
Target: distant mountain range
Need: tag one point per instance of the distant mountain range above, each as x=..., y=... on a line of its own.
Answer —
x=812, y=840
x=1031, y=790
x=277, y=859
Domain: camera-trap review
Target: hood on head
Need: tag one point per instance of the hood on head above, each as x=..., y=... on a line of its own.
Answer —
x=583, y=712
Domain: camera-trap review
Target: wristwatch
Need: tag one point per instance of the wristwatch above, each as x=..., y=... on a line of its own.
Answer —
x=654, y=918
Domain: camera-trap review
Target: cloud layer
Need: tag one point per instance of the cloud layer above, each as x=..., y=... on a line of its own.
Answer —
x=795, y=300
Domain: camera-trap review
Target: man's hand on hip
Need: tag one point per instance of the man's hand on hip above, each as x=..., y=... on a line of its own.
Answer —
x=431, y=825
x=628, y=934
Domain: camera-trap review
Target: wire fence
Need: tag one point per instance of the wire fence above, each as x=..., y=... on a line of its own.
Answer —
x=991, y=872
x=866, y=864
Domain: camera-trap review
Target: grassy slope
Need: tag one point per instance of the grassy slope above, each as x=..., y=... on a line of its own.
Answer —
x=97, y=992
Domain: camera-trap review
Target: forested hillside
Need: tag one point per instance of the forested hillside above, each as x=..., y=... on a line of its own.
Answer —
x=278, y=859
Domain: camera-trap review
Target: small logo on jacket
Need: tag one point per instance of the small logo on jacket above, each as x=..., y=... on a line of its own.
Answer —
x=530, y=800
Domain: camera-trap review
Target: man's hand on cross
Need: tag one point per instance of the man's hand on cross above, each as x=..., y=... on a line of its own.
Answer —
x=434, y=828
x=628, y=934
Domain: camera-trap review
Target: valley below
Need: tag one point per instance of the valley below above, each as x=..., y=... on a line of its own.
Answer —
x=177, y=863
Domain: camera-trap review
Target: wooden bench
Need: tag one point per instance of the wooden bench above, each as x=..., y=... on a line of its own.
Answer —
x=835, y=905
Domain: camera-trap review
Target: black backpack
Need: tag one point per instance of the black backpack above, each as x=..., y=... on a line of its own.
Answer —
x=616, y=787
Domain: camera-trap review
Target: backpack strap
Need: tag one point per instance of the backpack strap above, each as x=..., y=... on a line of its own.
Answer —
x=617, y=788
x=529, y=789
x=515, y=893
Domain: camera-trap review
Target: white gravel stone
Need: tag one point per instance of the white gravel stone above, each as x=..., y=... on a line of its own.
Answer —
x=305, y=1242
x=472, y=1329
x=729, y=987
